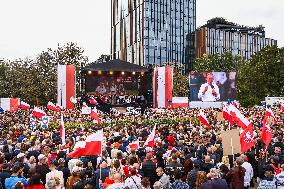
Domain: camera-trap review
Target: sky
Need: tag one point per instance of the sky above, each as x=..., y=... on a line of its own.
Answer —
x=28, y=27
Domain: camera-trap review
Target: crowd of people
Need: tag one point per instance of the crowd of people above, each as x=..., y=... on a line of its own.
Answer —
x=34, y=158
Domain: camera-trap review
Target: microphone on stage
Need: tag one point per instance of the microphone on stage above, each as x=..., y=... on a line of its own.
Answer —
x=212, y=86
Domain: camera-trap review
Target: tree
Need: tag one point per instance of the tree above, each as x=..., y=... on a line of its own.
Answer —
x=262, y=76
x=218, y=62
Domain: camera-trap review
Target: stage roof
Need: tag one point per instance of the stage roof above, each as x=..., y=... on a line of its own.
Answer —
x=115, y=65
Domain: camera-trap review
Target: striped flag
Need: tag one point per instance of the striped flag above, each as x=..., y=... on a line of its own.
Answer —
x=203, y=119
x=66, y=86
x=9, y=104
x=24, y=105
x=162, y=86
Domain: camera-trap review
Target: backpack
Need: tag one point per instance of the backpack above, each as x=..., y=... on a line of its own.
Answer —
x=276, y=169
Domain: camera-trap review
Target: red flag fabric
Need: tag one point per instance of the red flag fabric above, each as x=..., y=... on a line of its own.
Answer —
x=51, y=106
x=95, y=116
x=62, y=130
x=282, y=107
x=24, y=105
x=90, y=147
x=38, y=113
x=238, y=117
x=266, y=135
x=269, y=113
x=151, y=138
x=58, y=107
x=227, y=116
x=247, y=139
x=134, y=145
x=9, y=104
x=93, y=101
x=203, y=120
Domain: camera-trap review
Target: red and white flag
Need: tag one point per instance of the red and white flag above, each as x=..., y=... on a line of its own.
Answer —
x=227, y=116
x=269, y=113
x=238, y=117
x=62, y=130
x=24, y=105
x=90, y=147
x=266, y=135
x=58, y=107
x=151, y=138
x=66, y=86
x=247, y=139
x=282, y=107
x=179, y=102
x=93, y=101
x=95, y=116
x=9, y=104
x=51, y=106
x=38, y=113
x=162, y=86
x=203, y=120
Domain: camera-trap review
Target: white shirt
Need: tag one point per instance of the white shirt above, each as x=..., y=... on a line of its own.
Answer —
x=248, y=174
x=208, y=96
x=116, y=186
x=131, y=184
x=280, y=180
x=53, y=174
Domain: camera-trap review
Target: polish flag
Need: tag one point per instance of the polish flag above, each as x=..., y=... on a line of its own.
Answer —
x=266, y=135
x=62, y=130
x=90, y=147
x=162, y=86
x=95, y=116
x=179, y=102
x=269, y=113
x=51, y=106
x=93, y=101
x=282, y=107
x=238, y=117
x=9, y=104
x=38, y=113
x=24, y=105
x=66, y=86
x=58, y=107
x=134, y=145
x=227, y=116
x=246, y=139
x=151, y=138
x=203, y=120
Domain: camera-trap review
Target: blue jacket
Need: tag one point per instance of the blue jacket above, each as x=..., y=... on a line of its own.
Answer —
x=13, y=180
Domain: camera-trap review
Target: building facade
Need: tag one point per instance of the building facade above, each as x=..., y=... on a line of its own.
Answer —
x=219, y=37
x=151, y=31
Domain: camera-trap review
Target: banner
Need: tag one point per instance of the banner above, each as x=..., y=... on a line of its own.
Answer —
x=44, y=122
x=163, y=87
x=66, y=86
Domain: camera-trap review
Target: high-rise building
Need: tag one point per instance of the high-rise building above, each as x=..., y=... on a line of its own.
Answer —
x=151, y=31
x=219, y=36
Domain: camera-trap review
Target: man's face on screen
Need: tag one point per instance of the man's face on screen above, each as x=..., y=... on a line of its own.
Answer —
x=210, y=79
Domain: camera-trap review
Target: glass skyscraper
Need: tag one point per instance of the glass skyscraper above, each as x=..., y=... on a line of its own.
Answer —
x=151, y=31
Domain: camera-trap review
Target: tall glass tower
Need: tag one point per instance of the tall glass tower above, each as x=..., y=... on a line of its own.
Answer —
x=151, y=31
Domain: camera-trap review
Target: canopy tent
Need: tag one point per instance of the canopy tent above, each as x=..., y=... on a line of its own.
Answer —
x=115, y=66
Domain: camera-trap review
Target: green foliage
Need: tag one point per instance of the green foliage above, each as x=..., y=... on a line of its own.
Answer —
x=218, y=62
x=262, y=76
x=33, y=80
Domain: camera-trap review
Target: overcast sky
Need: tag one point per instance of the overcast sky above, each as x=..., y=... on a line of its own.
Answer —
x=28, y=27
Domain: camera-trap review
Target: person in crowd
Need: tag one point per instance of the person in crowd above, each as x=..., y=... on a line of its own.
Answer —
x=209, y=91
x=248, y=173
x=75, y=177
x=269, y=181
x=5, y=173
x=54, y=174
x=178, y=183
x=192, y=175
x=35, y=182
x=145, y=182
x=237, y=174
x=280, y=178
x=214, y=181
x=17, y=176
x=149, y=169
x=201, y=178
x=118, y=184
x=134, y=181
x=42, y=167
x=164, y=179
